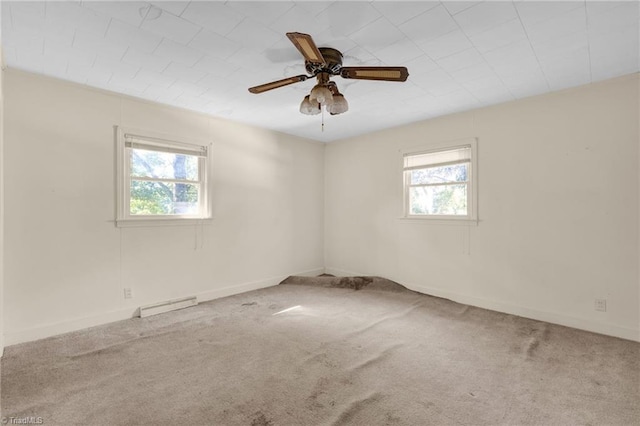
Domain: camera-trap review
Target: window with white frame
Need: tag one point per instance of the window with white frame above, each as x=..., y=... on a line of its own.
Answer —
x=161, y=179
x=440, y=182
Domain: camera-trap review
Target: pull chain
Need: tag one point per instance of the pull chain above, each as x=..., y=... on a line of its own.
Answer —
x=321, y=109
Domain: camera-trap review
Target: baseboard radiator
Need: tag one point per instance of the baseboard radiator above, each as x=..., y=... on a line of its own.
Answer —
x=169, y=305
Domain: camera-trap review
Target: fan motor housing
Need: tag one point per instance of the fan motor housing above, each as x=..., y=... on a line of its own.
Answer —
x=333, y=62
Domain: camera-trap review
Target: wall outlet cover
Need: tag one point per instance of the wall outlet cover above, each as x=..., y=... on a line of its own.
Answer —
x=601, y=305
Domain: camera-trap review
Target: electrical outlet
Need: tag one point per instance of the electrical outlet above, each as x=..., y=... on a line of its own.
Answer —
x=128, y=293
x=601, y=305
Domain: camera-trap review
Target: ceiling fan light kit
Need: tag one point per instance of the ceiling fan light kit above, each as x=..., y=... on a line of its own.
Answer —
x=309, y=108
x=339, y=105
x=323, y=63
x=321, y=93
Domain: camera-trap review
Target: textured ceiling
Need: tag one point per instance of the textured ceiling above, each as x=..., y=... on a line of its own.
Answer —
x=204, y=55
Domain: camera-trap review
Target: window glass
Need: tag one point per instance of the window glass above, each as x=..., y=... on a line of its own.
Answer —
x=161, y=179
x=438, y=200
x=163, y=165
x=439, y=183
x=442, y=174
x=163, y=198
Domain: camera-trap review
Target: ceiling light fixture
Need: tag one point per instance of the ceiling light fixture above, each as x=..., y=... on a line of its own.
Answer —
x=324, y=94
x=309, y=108
x=339, y=105
x=321, y=92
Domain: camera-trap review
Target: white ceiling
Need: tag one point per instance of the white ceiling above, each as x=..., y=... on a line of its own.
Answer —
x=204, y=55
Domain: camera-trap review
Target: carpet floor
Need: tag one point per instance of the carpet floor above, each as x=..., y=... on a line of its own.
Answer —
x=316, y=351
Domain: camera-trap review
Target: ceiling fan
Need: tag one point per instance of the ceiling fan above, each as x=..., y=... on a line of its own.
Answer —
x=323, y=63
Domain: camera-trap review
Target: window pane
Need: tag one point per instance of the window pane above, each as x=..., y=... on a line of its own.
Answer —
x=441, y=174
x=163, y=198
x=163, y=165
x=438, y=200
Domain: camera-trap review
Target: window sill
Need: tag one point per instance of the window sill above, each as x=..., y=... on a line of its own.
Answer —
x=129, y=223
x=439, y=221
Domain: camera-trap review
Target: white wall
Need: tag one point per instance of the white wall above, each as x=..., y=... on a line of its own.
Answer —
x=1, y=196
x=558, y=209
x=66, y=264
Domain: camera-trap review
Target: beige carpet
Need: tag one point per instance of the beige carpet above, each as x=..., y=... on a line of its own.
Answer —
x=317, y=352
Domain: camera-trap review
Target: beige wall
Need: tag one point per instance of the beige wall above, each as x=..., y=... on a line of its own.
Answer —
x=66, y=264
x=1, y=200
x=558, y=209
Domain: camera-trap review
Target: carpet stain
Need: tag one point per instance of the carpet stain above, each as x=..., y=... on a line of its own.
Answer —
x=260, y=419
x=356, y=283
x=538, y=334
x=319, y=390
x=392, y=419
x=250, y=304
x=532, y=346
x=346, y=381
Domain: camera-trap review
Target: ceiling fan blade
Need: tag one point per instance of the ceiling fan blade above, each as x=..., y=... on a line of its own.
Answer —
x=305, y=44
x=279, y=83
x=375, y=73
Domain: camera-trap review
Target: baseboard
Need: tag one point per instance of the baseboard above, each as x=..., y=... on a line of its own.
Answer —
x=250, y=286
x=521, y=311
x=342, y=272
x=49, y=330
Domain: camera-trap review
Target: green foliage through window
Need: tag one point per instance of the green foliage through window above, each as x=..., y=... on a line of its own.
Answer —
x=163, y=183
x=439, y=190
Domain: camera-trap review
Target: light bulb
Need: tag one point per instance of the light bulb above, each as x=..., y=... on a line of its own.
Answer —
x=321, y=94
x=339, y=105
x=309, y=108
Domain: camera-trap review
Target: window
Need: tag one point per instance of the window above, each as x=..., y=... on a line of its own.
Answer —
x=161, y=180
x=439, y=183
